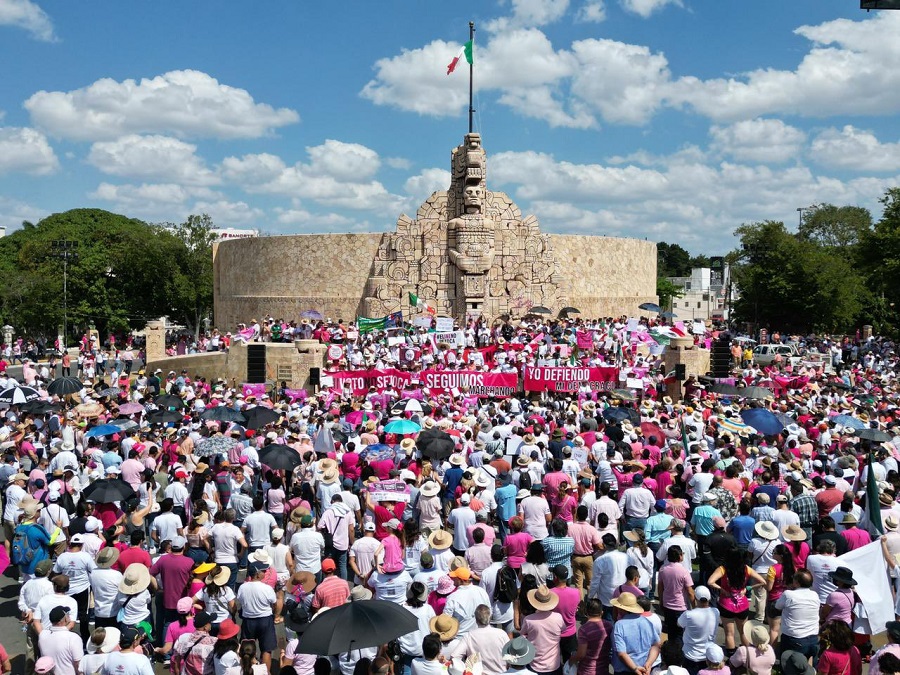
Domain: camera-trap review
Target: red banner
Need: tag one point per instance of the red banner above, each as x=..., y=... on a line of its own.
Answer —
x=359, y=381
x=481, y=384
x=564, y=378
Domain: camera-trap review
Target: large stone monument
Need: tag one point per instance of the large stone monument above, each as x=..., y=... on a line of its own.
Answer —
x=500, y=262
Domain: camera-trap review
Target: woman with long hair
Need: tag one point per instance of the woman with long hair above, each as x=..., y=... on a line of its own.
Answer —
x=216, y=598
x=225, y=655
x=250, y=665
x=779, y=578
x=197, y=537
x=536, y=562
x=416, y=544
x=594, y=637
x=641, y=556
x=841, y=657
x=730, y=580
x=563, y=504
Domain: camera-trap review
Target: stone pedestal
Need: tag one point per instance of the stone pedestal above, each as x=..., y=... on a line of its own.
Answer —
x=694, y=359
x=155, y=335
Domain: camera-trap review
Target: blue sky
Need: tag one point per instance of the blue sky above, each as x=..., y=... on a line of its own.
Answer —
x=673, y=120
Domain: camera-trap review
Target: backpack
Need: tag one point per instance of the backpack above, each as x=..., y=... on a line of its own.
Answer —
x=22, y=551
x=506, y=589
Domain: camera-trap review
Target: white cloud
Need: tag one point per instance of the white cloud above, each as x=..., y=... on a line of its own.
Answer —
x=855, y=149
x=400, y=163
x=338, y=175
x=181, y=102
x=307, y=219
x=422, y=185
x=13, y=212
x=224, y=212
x=853, y=68
x=645, y=8
x=759, y=140
x=28, y=16
x=152, y=158
x=592, y=11
x=682, y=199
x=26, y=150
x=528, y=13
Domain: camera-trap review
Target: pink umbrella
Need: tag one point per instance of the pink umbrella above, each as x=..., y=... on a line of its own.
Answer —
x=131, y=408
x=652, y=429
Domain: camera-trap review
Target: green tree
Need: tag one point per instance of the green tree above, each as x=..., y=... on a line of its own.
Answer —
x=880, y=260
x=191, y=283
x=672, y=260
x=667, y=291
x=841, y=227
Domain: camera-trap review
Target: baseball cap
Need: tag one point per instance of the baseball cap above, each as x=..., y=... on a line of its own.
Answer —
x=328, y=565
x=561, y=572
x=58, y=613
x=77, y=539
x=702, y=593
x=257, y=567
x=178, y=542
x=45, y=664
x=369, y=526
x=201, y=618
x=781, y=499
x=465, y=498
x=714, y=653
x=462, y=573
x=277, y=533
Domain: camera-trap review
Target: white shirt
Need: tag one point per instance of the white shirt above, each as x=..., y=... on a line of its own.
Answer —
x=363, y=552
x=688, y=548
x=33, y=591
x=167, y=525
x=534, y=511
x=216, y=605
x=462, y=603
x=411, y=643
x=257, y=599
x=128, y=663
x=225, y=537
x=307, y=547
x=501, y=612
x=105, y=587
x=77, y=566
x=784, y=517
x=800, y=612
x=46, y=604
x=137, y=609
x=14, y=494
x=390, y=587
x=820, y=566
x=64, y=646
x=609, y=573
x=461, y=518
x=700, y=627
x=258, y=526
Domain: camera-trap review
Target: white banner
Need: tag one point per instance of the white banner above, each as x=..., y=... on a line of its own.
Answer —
x=443, y=324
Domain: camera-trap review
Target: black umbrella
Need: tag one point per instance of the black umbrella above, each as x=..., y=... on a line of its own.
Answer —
x=260, y=416
x=650, y=307
x=875, y=435
x=435, y=444
x=539, y=309
x=616, y=414
x=356, y=625
x=279, y=457
x=340, y=435
x=570, y=310
x=107, y=491
x=19, y=395
x=725, y=389
x=760, y=393
x=39, y=407
x=222, y=413
x=63, y=386
x=163, y=416
x=169, y=401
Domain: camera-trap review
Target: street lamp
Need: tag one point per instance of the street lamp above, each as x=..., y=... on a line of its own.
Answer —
x=801, y=209
x=65, y=250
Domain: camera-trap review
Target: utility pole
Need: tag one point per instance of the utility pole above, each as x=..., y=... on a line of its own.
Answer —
x=67, y=251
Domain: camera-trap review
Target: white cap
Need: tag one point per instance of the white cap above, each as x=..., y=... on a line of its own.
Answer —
x=702, y=593
x=369, y=526
x=465, y=498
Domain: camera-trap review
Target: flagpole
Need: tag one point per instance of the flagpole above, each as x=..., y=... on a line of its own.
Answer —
x=471, y=72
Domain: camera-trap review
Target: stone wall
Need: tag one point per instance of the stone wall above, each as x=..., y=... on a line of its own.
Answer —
x=605, y=276
x=285, y=275
x=282, y=276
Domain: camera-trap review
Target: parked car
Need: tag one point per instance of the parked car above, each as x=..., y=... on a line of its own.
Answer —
x=764, y=355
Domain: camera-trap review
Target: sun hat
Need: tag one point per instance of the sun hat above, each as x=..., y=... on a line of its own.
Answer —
x=407, y=445
x=849, y=519
x=110, y=642
x=794, y=533
x=445, y=585
x=203, y=568
x=184, y=605
x=261, y=556
x=227, y=629
x=843, y=575
x=412, y=596
x=795, y=663
x=135, y=580
x=440, y=540
x=759, y=635
x=714, y=653
x=445, y=626
x=298, y=514
x=457, y=460
x=543, y=599
x=45, y=664
x=632, y=535
x=429, y=489
x=219, y=578
x=767, y=530
x=891, y=523
x=627, y=602
x=518, y=652
x=107, y=557
x=360, y=593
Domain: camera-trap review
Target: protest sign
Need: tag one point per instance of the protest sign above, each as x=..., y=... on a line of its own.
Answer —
x=443, y=324
x=390, y=491
x=359, y=381
x=481, y=384
x=547, y=378
x=253, y=389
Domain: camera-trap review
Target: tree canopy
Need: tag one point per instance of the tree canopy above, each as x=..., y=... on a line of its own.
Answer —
x=126, y=273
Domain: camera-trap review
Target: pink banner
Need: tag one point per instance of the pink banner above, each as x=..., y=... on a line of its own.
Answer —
x=359, y=381
x=253, y=389
x=545, y=378
x=296, y=394
x=481, y=384
x=584, y=339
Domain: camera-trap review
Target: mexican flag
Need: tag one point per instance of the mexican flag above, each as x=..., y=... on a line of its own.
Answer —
x=466, y=50
x=420, y=304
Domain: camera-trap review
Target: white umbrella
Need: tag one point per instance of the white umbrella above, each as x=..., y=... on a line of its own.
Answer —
x=19, y=395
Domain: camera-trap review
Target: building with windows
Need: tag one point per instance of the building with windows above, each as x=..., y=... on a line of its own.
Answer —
x=706, y=293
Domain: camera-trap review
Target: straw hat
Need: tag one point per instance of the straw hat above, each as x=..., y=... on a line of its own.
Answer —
x=298, y=514
x=440, y=540
x=110, y=642
x=794, y=533
x=326, y=464
x=849, y=519
x=219, y=578
x=523, y=460
x=445, y=626
x=429, y=489
x=767, y=530
x=891, y=523
x=135, y=580
x=627, y=602
x=330, y=476
x=371, y=426
x=306, y=580
x=107, y=557
x=542, y=599
x=457, y=460
x=407, y=445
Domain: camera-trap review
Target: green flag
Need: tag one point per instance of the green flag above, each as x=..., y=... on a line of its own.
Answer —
x=367, y=325
x=873, y=505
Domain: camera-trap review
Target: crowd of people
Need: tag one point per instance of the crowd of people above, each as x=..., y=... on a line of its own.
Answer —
x=589, y=531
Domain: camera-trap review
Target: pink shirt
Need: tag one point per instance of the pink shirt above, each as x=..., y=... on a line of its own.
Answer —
x=675, y=579
x=569, y=598
x=516, y=548
x=585, y=538
x=543, y=630
x=176, y=630
x=856, y=538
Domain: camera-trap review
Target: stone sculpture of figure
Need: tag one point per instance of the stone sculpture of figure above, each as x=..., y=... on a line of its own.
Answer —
x=474, y=251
